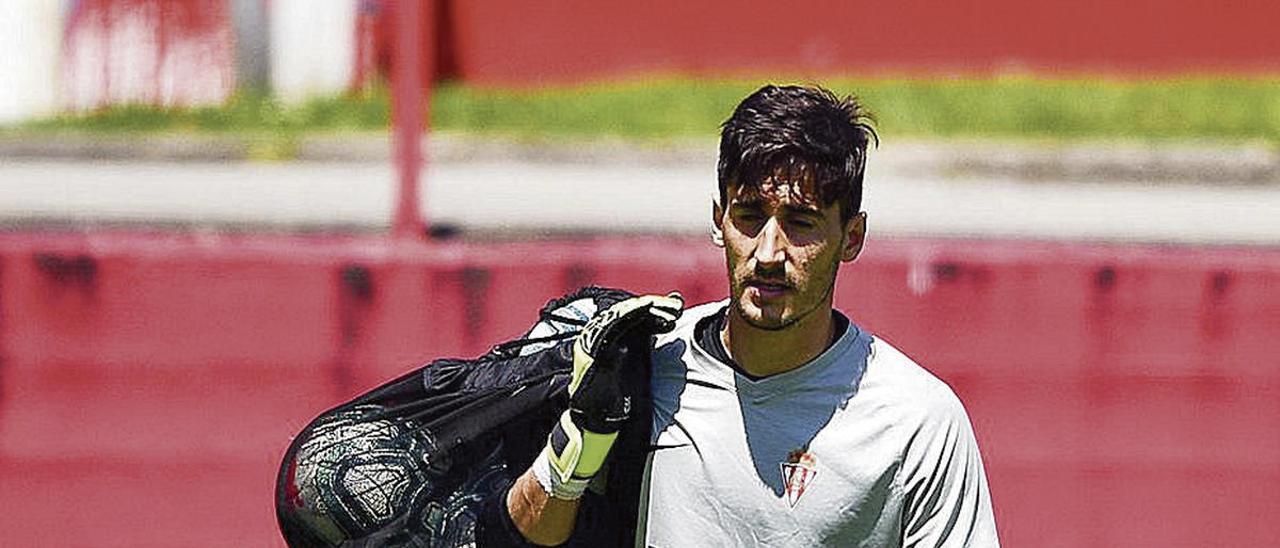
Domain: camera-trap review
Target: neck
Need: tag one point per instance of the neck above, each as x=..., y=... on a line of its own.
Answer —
x=763, y=352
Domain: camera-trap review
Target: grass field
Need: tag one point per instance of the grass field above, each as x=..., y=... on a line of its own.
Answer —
x=658, y=109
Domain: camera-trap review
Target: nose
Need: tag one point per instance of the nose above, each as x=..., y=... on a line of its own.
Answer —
x=770, y=245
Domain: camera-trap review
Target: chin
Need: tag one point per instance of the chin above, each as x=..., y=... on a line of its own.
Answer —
x=773, y=318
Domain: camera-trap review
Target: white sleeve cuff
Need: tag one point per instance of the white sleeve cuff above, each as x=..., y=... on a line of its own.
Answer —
x=551, y=483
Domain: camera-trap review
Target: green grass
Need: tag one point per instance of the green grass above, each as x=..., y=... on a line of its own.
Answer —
x=1006, y=107
x=246, y=112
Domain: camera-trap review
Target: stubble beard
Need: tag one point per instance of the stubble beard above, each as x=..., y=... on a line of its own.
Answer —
x=784, y=321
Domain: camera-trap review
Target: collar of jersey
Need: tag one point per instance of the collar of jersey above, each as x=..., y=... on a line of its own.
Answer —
x=780, y=384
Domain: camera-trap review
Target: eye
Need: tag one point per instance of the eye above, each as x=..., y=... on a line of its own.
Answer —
x=804, y=223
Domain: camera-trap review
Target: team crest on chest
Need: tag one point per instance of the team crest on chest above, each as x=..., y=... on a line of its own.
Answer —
x=798, y=473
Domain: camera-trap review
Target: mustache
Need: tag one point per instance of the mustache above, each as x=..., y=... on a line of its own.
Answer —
x=771, y=277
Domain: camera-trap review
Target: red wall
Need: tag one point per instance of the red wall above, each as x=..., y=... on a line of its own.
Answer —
x=1123, y=395
x=514, y=41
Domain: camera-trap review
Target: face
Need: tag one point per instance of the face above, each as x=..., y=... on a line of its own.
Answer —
x=783, y=249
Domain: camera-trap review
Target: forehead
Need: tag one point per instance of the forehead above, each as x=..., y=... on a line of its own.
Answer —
x=777, y=190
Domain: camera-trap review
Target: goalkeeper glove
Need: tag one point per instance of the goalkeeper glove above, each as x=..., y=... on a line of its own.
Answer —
x=613, y=342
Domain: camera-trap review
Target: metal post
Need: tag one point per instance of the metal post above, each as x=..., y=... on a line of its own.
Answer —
x=407, y=103
x=253, y=44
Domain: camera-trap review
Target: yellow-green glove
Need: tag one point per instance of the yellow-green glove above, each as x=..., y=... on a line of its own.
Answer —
x=612, y=343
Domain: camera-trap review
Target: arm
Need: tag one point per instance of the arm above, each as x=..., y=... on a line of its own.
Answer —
x=543, y=503
x=948, y=502
x=541, y=519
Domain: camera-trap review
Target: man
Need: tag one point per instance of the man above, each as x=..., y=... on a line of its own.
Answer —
x=777, y=421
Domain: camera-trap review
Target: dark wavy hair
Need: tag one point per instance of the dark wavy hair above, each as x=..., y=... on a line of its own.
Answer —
x=798, y=130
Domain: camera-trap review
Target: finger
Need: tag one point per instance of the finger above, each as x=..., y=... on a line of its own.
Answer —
x=640, y=308
x=656, y=313
x=664, y=314
x=664, y=311
x=672, y=303
x=647, y=321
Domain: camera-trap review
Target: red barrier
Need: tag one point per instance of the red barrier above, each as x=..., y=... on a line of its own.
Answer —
x=510, y=41
x=1123, y=395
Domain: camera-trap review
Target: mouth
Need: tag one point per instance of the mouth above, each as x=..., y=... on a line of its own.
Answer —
x=768, y=288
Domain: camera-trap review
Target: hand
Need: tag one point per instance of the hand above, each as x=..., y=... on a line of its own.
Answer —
x=614, y=343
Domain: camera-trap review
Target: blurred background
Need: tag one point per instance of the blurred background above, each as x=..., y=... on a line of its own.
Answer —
x=219, y=218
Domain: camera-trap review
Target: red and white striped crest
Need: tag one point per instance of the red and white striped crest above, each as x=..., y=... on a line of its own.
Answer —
x=797, y=474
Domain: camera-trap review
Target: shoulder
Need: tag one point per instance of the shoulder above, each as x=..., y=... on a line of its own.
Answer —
x=686, y=325
x=674, y=350
x=917, y=394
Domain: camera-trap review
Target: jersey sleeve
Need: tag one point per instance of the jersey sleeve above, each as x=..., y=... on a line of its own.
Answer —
x=948, y=503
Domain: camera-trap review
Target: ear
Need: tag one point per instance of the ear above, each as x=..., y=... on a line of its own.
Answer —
x=855, y=232
x=717, y=215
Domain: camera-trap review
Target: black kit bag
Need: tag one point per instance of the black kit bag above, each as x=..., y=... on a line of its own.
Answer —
x=426, y=459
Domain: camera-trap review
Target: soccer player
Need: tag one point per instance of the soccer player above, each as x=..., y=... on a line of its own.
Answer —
x=777, y=420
